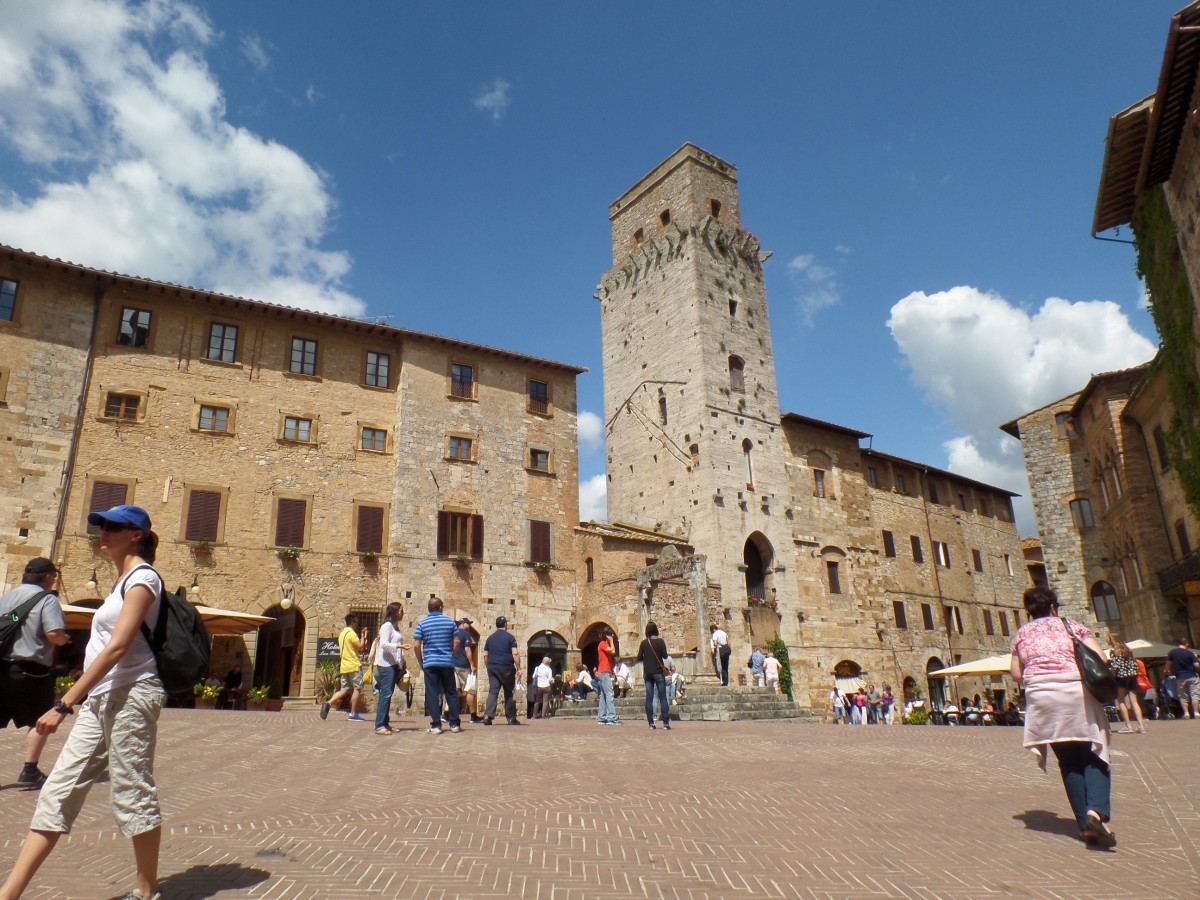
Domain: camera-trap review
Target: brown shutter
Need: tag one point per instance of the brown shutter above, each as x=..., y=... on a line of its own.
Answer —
x=106, y=495
x=370, y=529
x=443, y=535
x=289, y=523
x=476, y=537
x=539, y=542
x=204, y=512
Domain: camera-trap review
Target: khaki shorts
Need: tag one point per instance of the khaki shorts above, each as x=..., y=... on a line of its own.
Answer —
x=114, y=732
x=460, y=678
x=352, y=681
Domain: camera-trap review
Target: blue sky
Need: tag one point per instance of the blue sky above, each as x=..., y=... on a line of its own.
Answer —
x=924, y=174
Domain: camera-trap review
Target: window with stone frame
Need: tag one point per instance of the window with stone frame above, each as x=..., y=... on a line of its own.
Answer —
x=927, y=616
x=737, y=374
x=222, y=343
x=988, y=627
x=1081, y=513
x=373, y=439
x=539, y=397
x=1064, y=425
x=8, y=299
x=213, y=418
x=368, y=536
x=460, y=534
x=303, y=360
x=539, y=460
x=134, y=330
x=953, y=617
x=461, y=447
x=107, y=494
x=291, y=518
x=899, y=615
x=1004, y=623
x=203, y=518
x=917, y=553
x=834, y=575
x=122, y=406
x=941, y=553
x=819, y=484
x=462, y=381
x=378, y=370
x=590, y=565
x=1104, y=602
x=889, y=545
x=977, y=560
x=540, y=543
x=297, y=429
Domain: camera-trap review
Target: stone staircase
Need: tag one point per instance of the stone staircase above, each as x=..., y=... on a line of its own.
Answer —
x=706, y=702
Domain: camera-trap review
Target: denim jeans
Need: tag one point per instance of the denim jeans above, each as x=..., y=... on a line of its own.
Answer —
x=439, y=684
x=657, y=684
x=1086, y=777
x=385, y=680
x=671, y=689
x=607, y=711
x=501, y=678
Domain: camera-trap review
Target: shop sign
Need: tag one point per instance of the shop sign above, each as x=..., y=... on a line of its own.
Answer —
x=327, y=648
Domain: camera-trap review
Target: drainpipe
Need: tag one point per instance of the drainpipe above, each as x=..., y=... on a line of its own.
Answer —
x=80, y=409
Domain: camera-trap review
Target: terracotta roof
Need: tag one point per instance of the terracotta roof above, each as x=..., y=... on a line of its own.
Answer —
x=630, y=533
x=327, y=318
x=945, y=473
x=828, y=426
x=1131, y=377
x=1148, y=132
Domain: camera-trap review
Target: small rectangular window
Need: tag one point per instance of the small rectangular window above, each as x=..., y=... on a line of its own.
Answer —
x=373, y=439
x=203, y=516
x=901, y=486
x=379, y=368
x=539, y=541
x=941, y=553
x=368, y=536
x=962, y=502
x=1081, y=513
x=460, y=447
x=918, y=554
x=213, y=418
x=1064, y=425
x=1004, y=623
x=539, y=397
x=872, y=476
x=290, y=519
x=304, y=357
x=1008, y=565
x=106, y=495
x=977, y=560
x=135, y=327
x=462, y=381
x=899, y=615
x=297, y=429
x=8, y=299
x=122, y=406
x=835, y=578
x=988, y=627
x=222, y=342
x=933, y=492
x=818, y=483
x=927, y=616
x=953, y=619
x=889, y=544
x=539, y=460
x=460, y=534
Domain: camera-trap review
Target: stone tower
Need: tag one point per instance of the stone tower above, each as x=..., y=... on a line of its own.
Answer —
x=694, y=441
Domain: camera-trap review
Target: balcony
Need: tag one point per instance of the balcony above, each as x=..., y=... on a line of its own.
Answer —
x=1174, y=578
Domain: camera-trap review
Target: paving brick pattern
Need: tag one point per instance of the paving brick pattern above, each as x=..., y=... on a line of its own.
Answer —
x=281, y=805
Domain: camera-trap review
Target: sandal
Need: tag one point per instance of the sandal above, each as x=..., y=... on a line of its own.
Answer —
x=1096, y=834
x=383, y=731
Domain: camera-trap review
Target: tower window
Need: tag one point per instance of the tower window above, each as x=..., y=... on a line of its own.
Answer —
x=732, y=306
x=835, y=578
x=715, y=207
x=695, y=451
x=665, y=217
x=737, y=374
x=638, y=236
x=747, y=449
x=662, y=410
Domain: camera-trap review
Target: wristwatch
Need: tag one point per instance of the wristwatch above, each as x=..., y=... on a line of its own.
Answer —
x=63, y=709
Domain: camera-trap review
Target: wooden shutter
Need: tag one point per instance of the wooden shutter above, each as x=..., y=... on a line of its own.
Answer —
x=370, y=529
x=203, y=515
x=106, y=495
x=539, y=541
x=443, y=535
x=289, y=522
x=476, y=537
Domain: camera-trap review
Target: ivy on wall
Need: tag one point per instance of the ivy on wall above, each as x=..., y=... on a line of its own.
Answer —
x=1160, y=265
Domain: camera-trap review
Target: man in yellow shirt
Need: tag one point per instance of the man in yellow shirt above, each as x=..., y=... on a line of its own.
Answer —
x=351, y=645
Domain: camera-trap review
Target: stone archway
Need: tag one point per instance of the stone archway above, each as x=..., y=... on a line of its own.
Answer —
x=303, y=658
x=757, y=558
x=589, y=640
x=936, y=684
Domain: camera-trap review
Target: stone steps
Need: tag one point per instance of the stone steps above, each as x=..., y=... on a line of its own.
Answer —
x=703, y=702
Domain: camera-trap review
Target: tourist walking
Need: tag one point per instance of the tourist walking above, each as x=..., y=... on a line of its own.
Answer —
x=606, y=711
x=1061, y=715
x=771, y=673
x=119, y=696
x=466, y=671
x=756, y=667
x=839, y=706
x=434, y=642
x=1125, y=668
x=718, y=644
x=887, y=704
x=651, y=653
x=1185, y=667
x=860, y=707
x=350, y=646
x=874, y=698
x=542, y=681
x=26, y=680
x=389, y=666
x=502, y=661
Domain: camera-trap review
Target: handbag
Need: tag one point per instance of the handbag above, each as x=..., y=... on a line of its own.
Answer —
x=1094, y=672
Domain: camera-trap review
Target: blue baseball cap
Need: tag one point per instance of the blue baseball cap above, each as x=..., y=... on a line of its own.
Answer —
x=133, y=516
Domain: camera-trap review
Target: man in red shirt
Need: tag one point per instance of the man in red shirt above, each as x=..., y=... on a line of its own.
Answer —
x=607, y=711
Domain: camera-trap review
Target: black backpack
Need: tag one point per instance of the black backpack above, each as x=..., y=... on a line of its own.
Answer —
x=180, y=642
x=10, y=625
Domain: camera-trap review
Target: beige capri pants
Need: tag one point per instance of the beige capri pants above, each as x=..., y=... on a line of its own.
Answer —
x=116, y=731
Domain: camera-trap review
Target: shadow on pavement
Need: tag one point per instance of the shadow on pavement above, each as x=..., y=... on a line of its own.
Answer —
x=209, y=881
x=1051, y=823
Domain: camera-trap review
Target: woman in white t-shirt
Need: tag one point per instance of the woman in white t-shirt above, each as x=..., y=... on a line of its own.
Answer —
x=119, y=696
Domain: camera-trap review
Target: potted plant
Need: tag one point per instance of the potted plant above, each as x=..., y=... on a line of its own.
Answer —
x=256, y=697
x=202, y=548
x=288, y=552
x=62, y=684
x=274, y=701
x=460, y=560
x=326, y=681
x=206, y=695
x=369, y=555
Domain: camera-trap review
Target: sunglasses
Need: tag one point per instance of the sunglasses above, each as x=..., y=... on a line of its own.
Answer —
x=115, y=526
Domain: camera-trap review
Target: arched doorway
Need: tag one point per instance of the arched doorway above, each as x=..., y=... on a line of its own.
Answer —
x=910, y=688
x=757, y=556
x=551, y=644
x=589, y=641
x=936, y=684
x=279, y=654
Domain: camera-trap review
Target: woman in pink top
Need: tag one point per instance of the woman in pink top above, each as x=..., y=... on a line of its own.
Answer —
x=1060, y=714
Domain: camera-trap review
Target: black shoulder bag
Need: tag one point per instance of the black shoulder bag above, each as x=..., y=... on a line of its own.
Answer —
x=1097, y=677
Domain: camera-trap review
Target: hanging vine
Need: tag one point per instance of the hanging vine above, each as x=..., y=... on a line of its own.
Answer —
x=1160, y=265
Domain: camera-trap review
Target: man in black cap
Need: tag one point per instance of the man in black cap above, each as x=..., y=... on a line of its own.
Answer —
x=465, y=669
x=26, y=683
x=502, y=659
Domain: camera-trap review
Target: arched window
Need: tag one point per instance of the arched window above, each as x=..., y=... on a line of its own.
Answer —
x=747, y=449
x=1104, y=602
x=695, y=451
x=591, y=569
x=662, y=410
x=715, y=207
x=665, y=217
x=737, y=373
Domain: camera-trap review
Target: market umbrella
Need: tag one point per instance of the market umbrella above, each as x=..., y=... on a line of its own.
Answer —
x=1143, y=649
x=219, y=622
x=993, y=665
x=78, y=618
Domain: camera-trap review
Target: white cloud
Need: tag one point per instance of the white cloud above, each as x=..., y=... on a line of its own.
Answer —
x=255, y=52
x=122, y=126
x=983, y=361
x=593, y=499
x=591, y=431
x=815, y=285
x=493, y=99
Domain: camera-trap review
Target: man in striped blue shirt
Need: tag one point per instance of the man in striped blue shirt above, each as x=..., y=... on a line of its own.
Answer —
x=436, y=641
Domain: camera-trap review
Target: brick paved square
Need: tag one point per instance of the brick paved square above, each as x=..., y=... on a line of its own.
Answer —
x=281, y=805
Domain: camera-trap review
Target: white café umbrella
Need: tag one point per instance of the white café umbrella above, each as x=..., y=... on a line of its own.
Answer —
x=219, y=622
x=1143, y=649
x=993, y=665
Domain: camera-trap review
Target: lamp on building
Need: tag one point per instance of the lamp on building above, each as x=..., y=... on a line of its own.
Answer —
x=91, y=582
x=286, y=601
x=195, y=588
